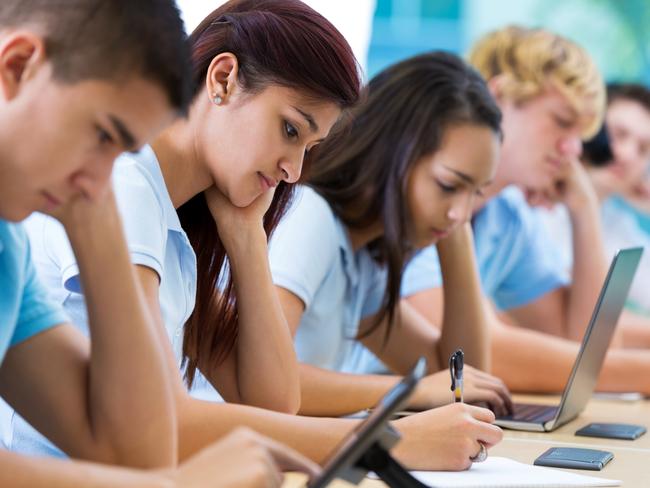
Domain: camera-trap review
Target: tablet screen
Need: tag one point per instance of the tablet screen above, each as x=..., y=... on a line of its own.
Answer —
x=355, y=444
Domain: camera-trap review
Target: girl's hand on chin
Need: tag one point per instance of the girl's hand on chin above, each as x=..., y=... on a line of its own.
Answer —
x=234, y=221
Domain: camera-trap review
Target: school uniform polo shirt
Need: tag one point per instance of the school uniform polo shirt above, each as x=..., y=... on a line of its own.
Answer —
x=518, y=261
x=155, y=240
x=25, y=306
x=311, y=256
x=623, y=226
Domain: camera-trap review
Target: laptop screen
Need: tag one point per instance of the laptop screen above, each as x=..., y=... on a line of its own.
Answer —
x=598, y=335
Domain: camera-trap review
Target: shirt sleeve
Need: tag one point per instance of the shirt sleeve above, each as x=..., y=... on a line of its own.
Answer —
x=38, y=312
x=422, y=272
x=537, y=266
x=304, y=246
x=142, y=218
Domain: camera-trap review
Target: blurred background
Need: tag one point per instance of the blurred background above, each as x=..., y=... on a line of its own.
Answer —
x=381, y=32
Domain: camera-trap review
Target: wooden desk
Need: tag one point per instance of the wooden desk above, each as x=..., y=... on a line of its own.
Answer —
x=631, y=463
x=632, y=467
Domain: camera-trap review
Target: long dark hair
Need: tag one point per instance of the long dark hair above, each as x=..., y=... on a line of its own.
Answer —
x=361, y=169
x=276, y=42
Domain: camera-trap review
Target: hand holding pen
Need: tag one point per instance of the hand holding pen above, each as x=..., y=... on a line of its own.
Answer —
x=456, y=364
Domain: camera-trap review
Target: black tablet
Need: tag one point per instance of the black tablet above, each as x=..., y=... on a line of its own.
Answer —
x=348, y=453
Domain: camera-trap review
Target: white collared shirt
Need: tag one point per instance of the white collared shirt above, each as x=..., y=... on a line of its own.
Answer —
x=155, y=240
x=311, y=256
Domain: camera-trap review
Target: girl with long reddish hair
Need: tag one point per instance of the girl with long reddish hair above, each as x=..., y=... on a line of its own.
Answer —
x=271, y=78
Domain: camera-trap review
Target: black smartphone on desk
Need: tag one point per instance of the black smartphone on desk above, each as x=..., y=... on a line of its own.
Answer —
x=610, y=430
x=355, y=444
x=574, y=458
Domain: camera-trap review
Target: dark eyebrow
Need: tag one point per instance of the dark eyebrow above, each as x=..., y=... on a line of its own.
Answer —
x=127, y=139
x=312, y=123
x=462, y=176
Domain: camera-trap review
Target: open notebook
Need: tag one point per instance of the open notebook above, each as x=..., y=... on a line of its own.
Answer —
x=498, y=472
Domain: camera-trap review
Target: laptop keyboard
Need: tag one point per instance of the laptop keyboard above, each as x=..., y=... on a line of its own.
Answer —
x=532, y=413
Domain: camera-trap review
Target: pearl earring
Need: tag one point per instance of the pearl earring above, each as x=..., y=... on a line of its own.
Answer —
x=217, y=99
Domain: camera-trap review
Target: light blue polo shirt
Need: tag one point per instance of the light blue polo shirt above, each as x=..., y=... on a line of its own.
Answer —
x=623, y=226
x=311, y=256
x=25, y=306
x=518, y=262
x=155, y=240
x=26, y=309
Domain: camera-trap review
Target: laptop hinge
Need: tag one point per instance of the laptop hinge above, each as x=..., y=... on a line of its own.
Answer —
x=548, y=426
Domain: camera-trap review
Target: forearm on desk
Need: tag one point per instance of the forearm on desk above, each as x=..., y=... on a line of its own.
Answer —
x=18, y=471
x=201, y=423
x=530, y=361
x=626, y=370
x=635, y=330
x=330, y=393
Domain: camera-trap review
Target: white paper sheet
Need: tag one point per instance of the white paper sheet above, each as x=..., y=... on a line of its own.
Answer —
x=498, y=472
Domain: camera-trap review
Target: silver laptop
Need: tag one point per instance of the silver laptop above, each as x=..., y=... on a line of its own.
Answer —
x=582, y=382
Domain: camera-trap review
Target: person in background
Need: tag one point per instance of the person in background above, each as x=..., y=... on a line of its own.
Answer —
x=397, y=176
x=552, y=97
x=617, y=161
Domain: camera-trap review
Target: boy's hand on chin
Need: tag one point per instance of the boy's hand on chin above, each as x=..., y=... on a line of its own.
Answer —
x=91, y=204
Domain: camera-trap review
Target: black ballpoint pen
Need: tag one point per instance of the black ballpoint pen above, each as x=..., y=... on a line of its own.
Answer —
x=456, y=371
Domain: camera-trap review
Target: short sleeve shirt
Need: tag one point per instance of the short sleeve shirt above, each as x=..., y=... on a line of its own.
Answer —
x=311, y=256
x=26, y=308
x=518, y=261
x=623, y=226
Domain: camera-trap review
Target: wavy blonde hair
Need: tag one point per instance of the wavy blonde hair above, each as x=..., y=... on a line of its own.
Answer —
x=530, y=61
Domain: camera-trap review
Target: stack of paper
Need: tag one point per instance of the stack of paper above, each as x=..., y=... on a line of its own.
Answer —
x=498, y=472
